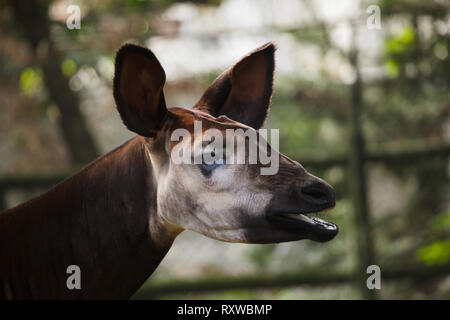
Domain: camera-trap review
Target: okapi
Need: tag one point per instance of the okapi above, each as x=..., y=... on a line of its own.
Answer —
x=117, y=217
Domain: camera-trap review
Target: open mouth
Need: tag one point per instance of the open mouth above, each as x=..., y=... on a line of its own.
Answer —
x=310, y=226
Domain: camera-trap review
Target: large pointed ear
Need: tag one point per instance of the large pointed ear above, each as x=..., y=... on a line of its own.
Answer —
x=243, y=92
x=138, y=90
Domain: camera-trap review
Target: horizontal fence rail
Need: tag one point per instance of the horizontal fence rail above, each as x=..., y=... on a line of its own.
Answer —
x=409, y=156
x=263, y=281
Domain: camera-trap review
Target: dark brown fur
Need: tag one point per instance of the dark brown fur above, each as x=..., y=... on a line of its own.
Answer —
x=99, y=219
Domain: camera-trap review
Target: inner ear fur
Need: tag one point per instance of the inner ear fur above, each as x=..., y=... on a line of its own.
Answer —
x=138, y=90
x=243, y=92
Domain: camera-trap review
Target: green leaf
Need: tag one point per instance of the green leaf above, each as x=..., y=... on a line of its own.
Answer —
x=68, y=67
x=392, y=68
x=435, y=253
x=30, y=80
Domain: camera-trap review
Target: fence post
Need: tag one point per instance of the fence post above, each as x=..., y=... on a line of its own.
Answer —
x=2, y=199
x=358, y=187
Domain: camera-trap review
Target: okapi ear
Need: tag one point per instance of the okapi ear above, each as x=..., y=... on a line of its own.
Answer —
x=244, y=91
x=138, y=90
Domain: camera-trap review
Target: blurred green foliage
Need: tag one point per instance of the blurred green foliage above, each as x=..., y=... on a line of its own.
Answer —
x=68, y=67
x=436, y=253
x=31, y=80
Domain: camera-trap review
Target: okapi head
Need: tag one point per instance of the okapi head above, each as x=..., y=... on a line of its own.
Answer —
x=220, y=192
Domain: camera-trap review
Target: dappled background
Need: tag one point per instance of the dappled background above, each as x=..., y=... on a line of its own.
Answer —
x=368, y=109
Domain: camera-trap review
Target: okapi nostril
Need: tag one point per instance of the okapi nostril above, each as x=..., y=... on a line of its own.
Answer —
x=318, y=192
x=315, y=193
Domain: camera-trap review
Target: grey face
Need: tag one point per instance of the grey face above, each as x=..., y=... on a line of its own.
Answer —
x=232, y=201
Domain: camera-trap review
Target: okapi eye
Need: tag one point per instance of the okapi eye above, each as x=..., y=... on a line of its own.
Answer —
x=208, y=166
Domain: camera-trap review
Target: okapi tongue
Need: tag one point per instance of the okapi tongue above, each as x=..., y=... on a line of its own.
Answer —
x=312, y=227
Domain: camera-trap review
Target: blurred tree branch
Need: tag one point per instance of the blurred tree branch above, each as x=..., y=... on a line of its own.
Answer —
x=31, y=18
